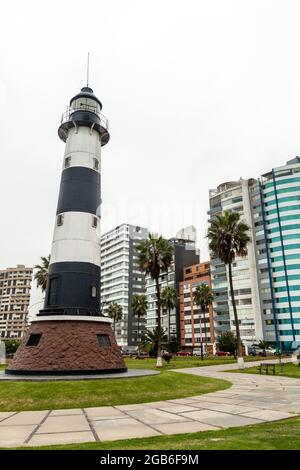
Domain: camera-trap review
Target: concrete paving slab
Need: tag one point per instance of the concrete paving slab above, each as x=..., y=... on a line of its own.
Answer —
x=174, y=408
x=226, y=408
x=230, y=401
x=74, y=411
x=59, y=424
x=187, y=427
x=139, y=406
x=13, y=436
x=153, y=416
x=6, y=414
x=25, y=418
x=129, y=428
x=104, y=412
x=216, y=418
x=268, y=415
x=61, y=438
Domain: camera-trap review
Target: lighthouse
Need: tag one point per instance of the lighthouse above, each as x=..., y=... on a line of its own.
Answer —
x=70, y=335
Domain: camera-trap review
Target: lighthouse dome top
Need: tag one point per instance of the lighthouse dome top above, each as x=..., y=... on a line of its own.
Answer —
x=84, y=110
x=86, y=93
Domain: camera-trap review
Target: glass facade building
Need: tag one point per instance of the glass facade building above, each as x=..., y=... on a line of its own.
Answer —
x=280, y=214
x=270, y=274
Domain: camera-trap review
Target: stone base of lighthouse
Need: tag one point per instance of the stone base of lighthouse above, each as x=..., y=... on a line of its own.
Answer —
x=60, y=346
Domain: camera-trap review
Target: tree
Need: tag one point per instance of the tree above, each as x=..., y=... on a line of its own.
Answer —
x=11, y=346
x=115, y=311
x=139, y=310
x=228, y=342
x=228, y=238
x=154, y=339
x=42, y=270
x=155, y=258
x=263, y=345
x=203, y=298
x=169, y=302
x=173, y=345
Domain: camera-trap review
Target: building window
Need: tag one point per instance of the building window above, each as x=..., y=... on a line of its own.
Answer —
x=93, y=291
x=104, y=340
x=96, y=164
x=60, y=220
x=94, y=222
x=67, y=162
x=33, y=339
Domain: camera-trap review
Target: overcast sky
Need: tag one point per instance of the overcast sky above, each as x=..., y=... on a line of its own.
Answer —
x=196, y=93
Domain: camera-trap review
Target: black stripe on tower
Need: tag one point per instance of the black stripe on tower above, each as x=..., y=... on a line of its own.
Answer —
x=73, y=288
x=79, y=191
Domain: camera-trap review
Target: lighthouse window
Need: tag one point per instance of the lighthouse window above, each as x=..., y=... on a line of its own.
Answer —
x=96, y=164
x=104, y=340
x=93, y=291
x=95, y=222
x=68, y=162
x=60, y=219
x=53, y=291
x=33, y=340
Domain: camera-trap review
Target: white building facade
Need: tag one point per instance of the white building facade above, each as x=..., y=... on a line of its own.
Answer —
x=234, y=196
x=121, y=277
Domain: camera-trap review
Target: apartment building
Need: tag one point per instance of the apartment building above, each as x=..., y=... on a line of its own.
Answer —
x=15, y=285
x=267, y=281
x=195, y=327
x=121, y=277
x=234, y=196
x=275, y=200
x=185, y=254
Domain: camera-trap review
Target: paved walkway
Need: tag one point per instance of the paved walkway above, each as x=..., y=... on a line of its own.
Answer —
x=252, y=399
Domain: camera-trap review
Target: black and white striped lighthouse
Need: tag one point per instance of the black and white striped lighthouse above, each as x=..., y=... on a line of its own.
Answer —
x=70, y=335
x=74, y=272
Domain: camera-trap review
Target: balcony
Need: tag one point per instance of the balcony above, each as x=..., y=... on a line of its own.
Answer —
x=86, y=115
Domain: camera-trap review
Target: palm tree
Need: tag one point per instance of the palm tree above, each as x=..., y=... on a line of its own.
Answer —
x=155, y=258
x=203, y=298
x=139, y=309
x=169, y=302
x=115, y=311
x=264, y=346
x=154, y=338
x=42, y=270
x=228, y=238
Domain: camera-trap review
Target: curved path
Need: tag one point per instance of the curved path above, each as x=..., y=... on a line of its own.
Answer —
x=252, y=399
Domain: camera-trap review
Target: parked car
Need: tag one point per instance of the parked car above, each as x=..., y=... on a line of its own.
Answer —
x=184, y=353
x=222, y=353
x=255, y=350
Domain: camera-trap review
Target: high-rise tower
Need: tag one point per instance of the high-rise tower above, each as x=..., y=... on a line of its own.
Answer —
x=70, y=335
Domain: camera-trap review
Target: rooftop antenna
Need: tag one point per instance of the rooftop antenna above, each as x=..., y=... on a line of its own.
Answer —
x=88, y=70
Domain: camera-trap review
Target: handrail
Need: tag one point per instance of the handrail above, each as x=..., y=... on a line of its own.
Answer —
x=67, y=116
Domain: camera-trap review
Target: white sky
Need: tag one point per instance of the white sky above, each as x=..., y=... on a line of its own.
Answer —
x=197, y=93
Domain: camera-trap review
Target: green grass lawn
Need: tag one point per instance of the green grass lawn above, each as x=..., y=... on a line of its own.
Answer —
x=288, y=370
x=24, y=396
x=186, y=361
x=278, y=435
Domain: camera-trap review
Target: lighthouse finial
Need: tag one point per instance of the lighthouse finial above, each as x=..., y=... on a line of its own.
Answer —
x=88, y=70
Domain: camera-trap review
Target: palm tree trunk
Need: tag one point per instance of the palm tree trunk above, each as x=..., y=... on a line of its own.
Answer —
x=205, y=330
x=169, y=326
x=114, y=326
x=159, y=360
x=138, y=336
x=201, y=343
x=236, y=320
